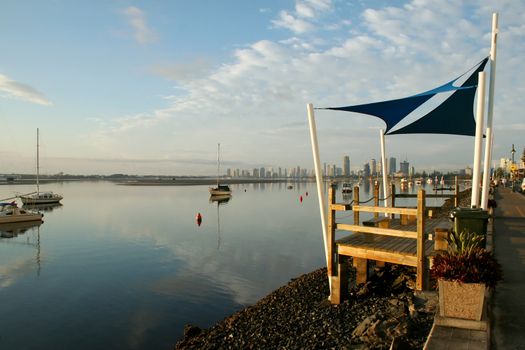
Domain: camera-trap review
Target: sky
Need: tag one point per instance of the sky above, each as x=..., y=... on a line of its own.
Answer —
x=151, y=87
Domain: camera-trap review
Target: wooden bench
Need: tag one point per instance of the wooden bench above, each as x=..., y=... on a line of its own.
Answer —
x=382, y=239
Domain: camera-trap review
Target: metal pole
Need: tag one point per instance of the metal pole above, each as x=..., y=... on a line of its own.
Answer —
x=480, y=111
x=318, y=176
x=489, y=140
x=37, y=163
x=383, y=166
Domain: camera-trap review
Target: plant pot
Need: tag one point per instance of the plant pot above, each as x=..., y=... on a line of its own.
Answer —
x=461, y=300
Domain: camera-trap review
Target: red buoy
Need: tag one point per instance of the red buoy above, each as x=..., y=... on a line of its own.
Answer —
x=198, y=218
x=301, y=199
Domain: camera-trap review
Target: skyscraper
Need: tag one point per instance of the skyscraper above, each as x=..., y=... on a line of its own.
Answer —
x=346, y=166
x=392, y=169
x=366, y=170
x=404, y=167
x=373, y=169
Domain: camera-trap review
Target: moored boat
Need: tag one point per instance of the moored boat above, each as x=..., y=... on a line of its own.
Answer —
x=10, y=213
x=219, y=190
x=39, y=197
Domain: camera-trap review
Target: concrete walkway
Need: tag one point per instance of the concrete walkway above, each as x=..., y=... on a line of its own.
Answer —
x=508, y=303
x=507, y=306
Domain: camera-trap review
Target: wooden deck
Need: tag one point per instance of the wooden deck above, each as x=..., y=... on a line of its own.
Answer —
x=410, y=240
x=377, y=247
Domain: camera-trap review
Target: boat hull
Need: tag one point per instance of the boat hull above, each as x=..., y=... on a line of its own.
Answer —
x=39, y=200
x=216, y=192
x=21, y=217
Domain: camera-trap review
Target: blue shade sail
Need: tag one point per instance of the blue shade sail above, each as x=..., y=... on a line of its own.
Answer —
x=452, y=116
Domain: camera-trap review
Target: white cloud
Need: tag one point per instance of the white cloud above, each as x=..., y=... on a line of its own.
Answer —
x=305, y=16
x=137, y=20
x=392, y=52
x=289, y=21
x=21, y=91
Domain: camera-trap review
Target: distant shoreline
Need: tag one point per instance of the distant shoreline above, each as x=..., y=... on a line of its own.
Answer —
x=161, y=182
x=197, y=182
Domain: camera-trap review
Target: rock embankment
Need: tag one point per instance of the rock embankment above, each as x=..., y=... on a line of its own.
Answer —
x=299, y=316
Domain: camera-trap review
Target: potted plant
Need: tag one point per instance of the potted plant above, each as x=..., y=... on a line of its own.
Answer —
x=464, y=272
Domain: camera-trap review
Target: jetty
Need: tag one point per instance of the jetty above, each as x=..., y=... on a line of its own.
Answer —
x=404, y=236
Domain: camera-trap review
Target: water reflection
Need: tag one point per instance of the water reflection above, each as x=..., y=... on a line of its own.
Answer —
x=219, y=200
x=43, y=207
x=9, y=233
x=14, y=229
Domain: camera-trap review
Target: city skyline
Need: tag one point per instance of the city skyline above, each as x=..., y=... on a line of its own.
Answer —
x=146, y=88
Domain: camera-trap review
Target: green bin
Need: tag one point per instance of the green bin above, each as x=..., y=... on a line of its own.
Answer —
x=470, y=219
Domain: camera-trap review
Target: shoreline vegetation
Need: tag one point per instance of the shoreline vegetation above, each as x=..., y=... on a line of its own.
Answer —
x=384, y=313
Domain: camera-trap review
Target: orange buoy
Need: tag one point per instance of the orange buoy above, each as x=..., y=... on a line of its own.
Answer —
x=198, y=218
x=301, y=199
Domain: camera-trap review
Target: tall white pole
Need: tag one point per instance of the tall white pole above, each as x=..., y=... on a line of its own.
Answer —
x=480, y=111
x=490, y=137
x=318, y=176
x=383, y=166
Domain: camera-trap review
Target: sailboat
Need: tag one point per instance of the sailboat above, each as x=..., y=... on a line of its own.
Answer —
x=39, y=197
x=219, y=190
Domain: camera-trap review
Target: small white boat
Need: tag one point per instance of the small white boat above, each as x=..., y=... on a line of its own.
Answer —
x=429, y=181
x=347, y=188
x=10, y=213
x=419, y=182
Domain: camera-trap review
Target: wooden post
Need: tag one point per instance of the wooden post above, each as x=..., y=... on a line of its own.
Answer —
x=421, y=273
x=337, y=265
x=440, y=239
x=456, y=192
x=331, y=232
x=361, y=270
x=356, y=202
x=376, y=198
x=340, y=289
x=393, y=198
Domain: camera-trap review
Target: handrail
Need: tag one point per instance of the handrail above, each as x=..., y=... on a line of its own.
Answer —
x=428, y=195
x=377, y=230
x=389, y=210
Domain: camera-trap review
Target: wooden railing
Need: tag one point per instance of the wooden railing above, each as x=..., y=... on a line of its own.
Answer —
x=338, y=251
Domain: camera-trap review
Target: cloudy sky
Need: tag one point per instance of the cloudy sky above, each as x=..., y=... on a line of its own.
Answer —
x=151, y=87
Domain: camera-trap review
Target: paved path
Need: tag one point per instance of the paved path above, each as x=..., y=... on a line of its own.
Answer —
x=508, y=304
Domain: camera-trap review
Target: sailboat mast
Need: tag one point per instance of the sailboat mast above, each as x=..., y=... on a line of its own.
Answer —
x=218, y=162
x=37, y=163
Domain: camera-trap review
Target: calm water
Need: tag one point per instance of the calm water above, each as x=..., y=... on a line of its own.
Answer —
x=120, y=267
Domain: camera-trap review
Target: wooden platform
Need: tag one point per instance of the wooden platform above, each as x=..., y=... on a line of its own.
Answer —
x=410, y=240
x=396, y=250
